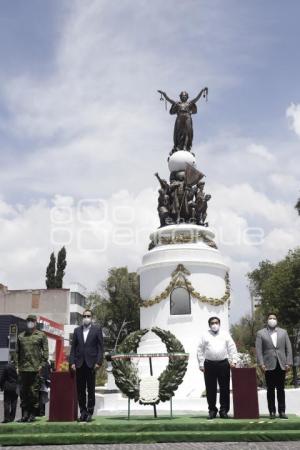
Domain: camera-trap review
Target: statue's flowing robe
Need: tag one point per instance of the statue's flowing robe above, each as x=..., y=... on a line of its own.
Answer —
x=183, y=129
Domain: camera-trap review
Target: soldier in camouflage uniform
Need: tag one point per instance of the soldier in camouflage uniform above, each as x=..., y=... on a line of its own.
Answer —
x=32, y=355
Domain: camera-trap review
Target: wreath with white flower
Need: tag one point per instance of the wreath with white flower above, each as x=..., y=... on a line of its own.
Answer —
x=126, y=373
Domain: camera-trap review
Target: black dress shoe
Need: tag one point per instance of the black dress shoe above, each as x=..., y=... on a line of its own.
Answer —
x=224, y=415
x=88, y=418
x=23, y=419
x=5, y=421
x=283, y=416
x=82, y=418
x=272, y=415
x=212, y=415
x=31, y=418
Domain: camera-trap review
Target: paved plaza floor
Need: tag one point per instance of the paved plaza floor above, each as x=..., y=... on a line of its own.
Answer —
x=172, y=446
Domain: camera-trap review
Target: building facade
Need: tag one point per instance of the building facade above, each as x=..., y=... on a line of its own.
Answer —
x=77, y=303
x=63, y=306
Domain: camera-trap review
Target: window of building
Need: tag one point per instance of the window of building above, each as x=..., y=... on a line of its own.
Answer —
x=180, y=301
x=75, y=318
x=77, y=299
x=35, y=300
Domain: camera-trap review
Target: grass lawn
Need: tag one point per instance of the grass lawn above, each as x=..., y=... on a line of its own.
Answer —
x=116, y=429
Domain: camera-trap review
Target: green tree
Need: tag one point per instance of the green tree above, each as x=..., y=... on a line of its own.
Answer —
x=244, y=333
x=116, y=304
x=50, y=272
x=55, y=272
x=60, y=269
x=258, y=276
x=279, y=290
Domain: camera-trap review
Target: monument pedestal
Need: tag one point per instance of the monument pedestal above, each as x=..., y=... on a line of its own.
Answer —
x=185, y=256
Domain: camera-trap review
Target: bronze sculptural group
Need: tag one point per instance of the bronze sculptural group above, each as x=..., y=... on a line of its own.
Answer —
x=183, y=199
x=180, y=202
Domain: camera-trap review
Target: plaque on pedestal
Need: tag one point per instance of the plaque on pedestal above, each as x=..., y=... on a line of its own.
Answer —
x=63, y=397
x=245, y=398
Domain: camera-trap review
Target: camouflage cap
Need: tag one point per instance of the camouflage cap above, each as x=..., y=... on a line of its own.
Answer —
x=32, y=317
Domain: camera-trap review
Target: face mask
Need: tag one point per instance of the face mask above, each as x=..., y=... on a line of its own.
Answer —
x=30, y=325
x=215, y=327
x=272, y=323
x=87, y=321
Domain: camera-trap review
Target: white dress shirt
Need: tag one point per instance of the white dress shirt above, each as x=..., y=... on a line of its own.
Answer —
x=86, y=331
x=273, y=334
x=216, y=347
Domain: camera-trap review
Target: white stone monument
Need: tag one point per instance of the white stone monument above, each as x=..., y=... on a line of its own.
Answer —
x=183, y=278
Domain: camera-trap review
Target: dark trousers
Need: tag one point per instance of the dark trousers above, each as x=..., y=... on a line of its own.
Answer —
x=217, y=372
x=275, y=379
x=10, y=405
x=30, y=387
x=86, y=381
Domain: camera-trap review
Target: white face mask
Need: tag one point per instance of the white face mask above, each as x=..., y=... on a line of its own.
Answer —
x=30, y=325
x=215, y=327
x=272, y=323
x=87, y=321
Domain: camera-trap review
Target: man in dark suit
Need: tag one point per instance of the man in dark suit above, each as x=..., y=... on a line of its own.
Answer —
x=9, y=384
x=275, y=357
x=86, y=357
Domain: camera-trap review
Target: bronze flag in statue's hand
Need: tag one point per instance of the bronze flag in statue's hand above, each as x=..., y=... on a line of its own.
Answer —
x=192, y=175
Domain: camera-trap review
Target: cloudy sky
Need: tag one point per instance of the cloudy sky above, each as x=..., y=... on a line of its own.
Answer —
x=82, y=130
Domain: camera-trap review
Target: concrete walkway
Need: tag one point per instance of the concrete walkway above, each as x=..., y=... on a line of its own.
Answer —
x=172, y=446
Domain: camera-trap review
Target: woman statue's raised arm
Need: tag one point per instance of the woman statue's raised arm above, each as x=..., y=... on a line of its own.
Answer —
x=166, y=97
x=204, y=92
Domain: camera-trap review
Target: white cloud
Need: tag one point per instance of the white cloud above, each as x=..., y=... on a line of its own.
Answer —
x=94, y=241
x=293, y=114
x=260, y=151
x=240, y=298
x=285, y=182
x=248, y=202
x=278, y=241
x=96, y=118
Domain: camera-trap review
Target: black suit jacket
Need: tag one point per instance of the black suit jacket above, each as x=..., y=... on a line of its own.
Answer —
x=91, y=351
x=9, y=378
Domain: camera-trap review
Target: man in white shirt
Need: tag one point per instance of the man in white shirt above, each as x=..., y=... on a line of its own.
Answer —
x=216, y=354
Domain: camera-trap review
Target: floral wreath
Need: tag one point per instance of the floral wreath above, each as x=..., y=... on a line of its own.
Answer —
x=126, y=374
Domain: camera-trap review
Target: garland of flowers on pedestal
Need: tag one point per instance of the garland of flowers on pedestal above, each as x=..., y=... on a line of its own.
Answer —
x=179, y=279
x=183, y=238
x=126, y=374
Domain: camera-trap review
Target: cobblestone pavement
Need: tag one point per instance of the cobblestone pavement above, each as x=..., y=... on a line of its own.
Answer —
x=179, y=446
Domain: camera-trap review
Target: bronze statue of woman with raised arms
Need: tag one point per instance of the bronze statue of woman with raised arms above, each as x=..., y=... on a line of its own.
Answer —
x=183, y=129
